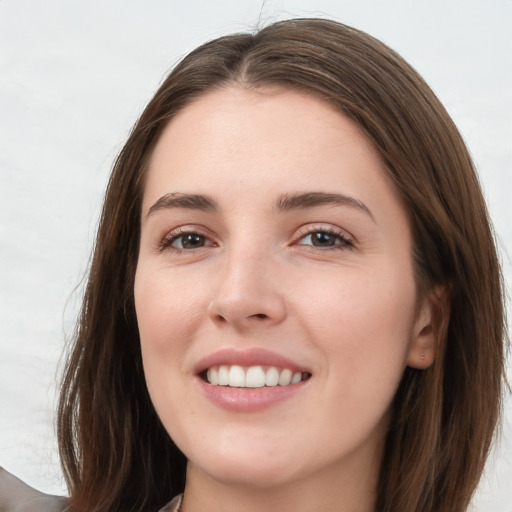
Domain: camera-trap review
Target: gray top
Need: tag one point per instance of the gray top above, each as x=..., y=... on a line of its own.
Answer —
x=17, y=496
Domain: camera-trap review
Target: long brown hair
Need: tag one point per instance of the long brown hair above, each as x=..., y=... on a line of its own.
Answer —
x=116, y=454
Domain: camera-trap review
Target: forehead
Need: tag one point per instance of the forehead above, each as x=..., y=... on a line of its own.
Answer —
x=274, y=114
x=268, y=140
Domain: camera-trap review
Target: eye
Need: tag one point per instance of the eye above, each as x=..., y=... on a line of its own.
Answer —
x=185, y=241
x=325, y=238
x=189, y=241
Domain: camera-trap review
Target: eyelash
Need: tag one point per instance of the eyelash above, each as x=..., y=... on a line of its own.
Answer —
x=175, y=235
x=344, y=241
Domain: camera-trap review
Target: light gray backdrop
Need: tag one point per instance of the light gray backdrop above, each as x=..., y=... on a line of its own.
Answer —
x=74, y=75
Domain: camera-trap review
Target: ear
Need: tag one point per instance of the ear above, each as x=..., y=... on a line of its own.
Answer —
x=431, y=321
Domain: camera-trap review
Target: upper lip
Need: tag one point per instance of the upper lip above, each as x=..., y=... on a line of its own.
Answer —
x=247, y=357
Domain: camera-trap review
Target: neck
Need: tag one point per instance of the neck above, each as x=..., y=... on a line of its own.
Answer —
x=329, y=490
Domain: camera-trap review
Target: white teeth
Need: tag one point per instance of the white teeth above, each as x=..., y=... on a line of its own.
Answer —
x=223, y=375
x=252, y=377
x=285, y=378
x=213, y=376
x=272, y=376
x=255, y=377
x=297, y=377
x=237, y=377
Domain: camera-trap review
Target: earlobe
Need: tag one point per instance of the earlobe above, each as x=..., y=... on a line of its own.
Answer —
x=430, y=325
x=422, y=351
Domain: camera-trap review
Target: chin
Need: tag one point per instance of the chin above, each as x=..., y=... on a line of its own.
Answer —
x=248, y=474
x=257, y=467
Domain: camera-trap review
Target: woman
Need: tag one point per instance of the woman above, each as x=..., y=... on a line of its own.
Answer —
x=294, y=299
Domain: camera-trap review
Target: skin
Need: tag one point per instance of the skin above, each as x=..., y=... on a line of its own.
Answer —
x=348, y=312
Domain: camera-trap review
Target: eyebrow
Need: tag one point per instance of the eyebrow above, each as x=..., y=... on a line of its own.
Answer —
x=285, y=202
x=312, y=199
x=190, y=201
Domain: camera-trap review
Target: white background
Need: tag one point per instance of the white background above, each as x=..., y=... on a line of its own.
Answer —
x=74, y=76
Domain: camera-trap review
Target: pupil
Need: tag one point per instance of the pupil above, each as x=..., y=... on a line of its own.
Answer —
x=323, y=239
x=191, y=241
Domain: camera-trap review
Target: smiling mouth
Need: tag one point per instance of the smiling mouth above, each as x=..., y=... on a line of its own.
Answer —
x=252, y=376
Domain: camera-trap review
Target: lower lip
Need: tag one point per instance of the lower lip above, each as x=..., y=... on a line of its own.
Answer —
x=249, y=399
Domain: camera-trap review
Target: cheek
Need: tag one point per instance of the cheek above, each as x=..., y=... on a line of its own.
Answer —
x=168, y=320
x=363, y=323
x=167, y=310
x=169, y=313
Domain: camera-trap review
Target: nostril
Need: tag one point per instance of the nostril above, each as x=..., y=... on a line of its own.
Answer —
x=260, y=315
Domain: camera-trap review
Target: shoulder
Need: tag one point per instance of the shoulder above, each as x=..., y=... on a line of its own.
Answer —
x=173, y=506
x=17, y=496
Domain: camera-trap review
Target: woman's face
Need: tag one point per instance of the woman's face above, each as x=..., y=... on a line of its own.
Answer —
x=274, y=290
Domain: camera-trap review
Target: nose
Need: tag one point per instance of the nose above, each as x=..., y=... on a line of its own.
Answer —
x=248, y=292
